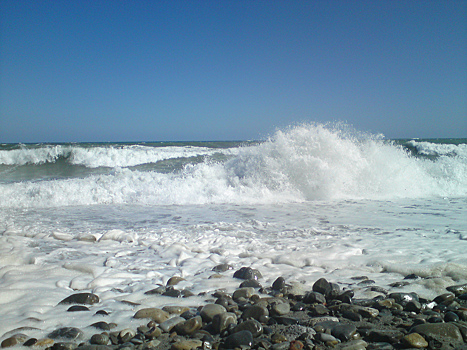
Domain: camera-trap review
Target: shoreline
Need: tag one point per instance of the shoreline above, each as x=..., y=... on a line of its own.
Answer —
x=277, y=317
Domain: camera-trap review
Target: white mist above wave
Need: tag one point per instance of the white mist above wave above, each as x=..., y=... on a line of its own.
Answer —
x=303, y=163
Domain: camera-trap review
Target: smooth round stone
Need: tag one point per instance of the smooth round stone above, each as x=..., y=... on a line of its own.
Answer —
x=158, y=290
x=190, y=326
x=279, y=283
x=447, y=330
x=325, y=338
x=100, y=339
x=451, y=317
x=14, y=340
x=256, y=312
x=344, y=332
x=296, y=345
x=237, y=340
x=458, y=289
x=174, y=280
x=45, y=342
x=167, y=326
x=314, y=297
x=70, y=333
x=154, y=314
x=251, y=283
x=222, y=268
x=186, y=344
x=81, y=298
x=210, y=310
x=444, y=297
x=353, y=316
x=319, y=310
x=414, y=340
x=32, y=341
x=76, y=308
x=172, y=292
x=126, y=335
x=220, y=322
x=253, y=326
x=101, y=325
x=177, y=310
x=387, y=336
x=246, y=293
x=247, y=273
x=413, y=306
x=367, y=312
x=280, y=309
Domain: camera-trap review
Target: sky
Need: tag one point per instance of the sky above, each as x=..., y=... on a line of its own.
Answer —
x=121, y=70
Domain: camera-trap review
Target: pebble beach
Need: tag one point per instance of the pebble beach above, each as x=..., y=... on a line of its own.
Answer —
x=281, y=316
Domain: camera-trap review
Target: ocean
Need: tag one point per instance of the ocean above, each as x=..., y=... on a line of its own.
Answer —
x=312, y=201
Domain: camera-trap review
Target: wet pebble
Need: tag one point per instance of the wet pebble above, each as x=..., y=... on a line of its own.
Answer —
x=81, y=298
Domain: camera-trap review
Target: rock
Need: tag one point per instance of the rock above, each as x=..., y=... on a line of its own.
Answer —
x=222, y=268
x=278, y=338
x=126, y=335
x=314, y=297
x=367, y=312
x=101, y=325
x=247, y=273
x=81, y=298
x=327, y=338
x=443, y=298
x=237, y=340
x=158, y=290
x=353, y=316
x=344, y=332
x=404, y=298
x=220, y=322
x=177, y=310
x=385, y=336
x=69, y=333
x=186, y=344
x=210, y=310
x=356, y=345
x=296, y=345
x=279, y=283
x=253, y=326
x=251, y=283
x=321, y=286
x=45, y=342
x=451, y=317
x=14, y=340
x=174, y=280
x=414, y=340
x=172, y=292
x=280, y=309
x=154, y=314
x=458, y=289
x=444, y=330
x=32, y=341
x=413, y=306
x=100, y=339
x=167, y=326
x=256, y=312
x=71, y=346
x=319, y=310
x=76, y=308
x=286, y=320
x=189, y=326
x=246, y=293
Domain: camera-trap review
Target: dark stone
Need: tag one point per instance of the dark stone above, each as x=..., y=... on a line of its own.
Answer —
x=279, y=283
x=344, y=332
x=444, y=330
x=102, y=313
x=76, y=308
x=237, y=340
x=333, y=291
x=451, y=317
x=444, y=297
x=101, y=325
x=299, y=306
x=222, y=268
x=158, y=290
x=314, y=297
x=462, y=296
x=81, y=298
x=253, y=326
x=380, y=346
x=100, y=339
x=172, y=292
x=321, y=286
x=458, y=289
x=319, y=310
x=70, y=333
x=404, y=298
x=353, y=316
x=385, y=336
x=286, y=320
x=30, y=342
x=247, y=273
x=412, y=276
x=251, y=283
x=413, y=306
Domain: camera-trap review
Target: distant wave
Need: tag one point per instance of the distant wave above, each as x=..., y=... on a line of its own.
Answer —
x=302, y=163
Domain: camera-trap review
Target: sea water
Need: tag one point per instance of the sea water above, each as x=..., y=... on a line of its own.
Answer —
x=119, y=219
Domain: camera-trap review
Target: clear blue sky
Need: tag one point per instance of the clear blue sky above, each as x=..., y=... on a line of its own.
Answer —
x=110, y=70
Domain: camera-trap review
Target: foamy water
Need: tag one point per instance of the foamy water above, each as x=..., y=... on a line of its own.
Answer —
x=311, y=202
